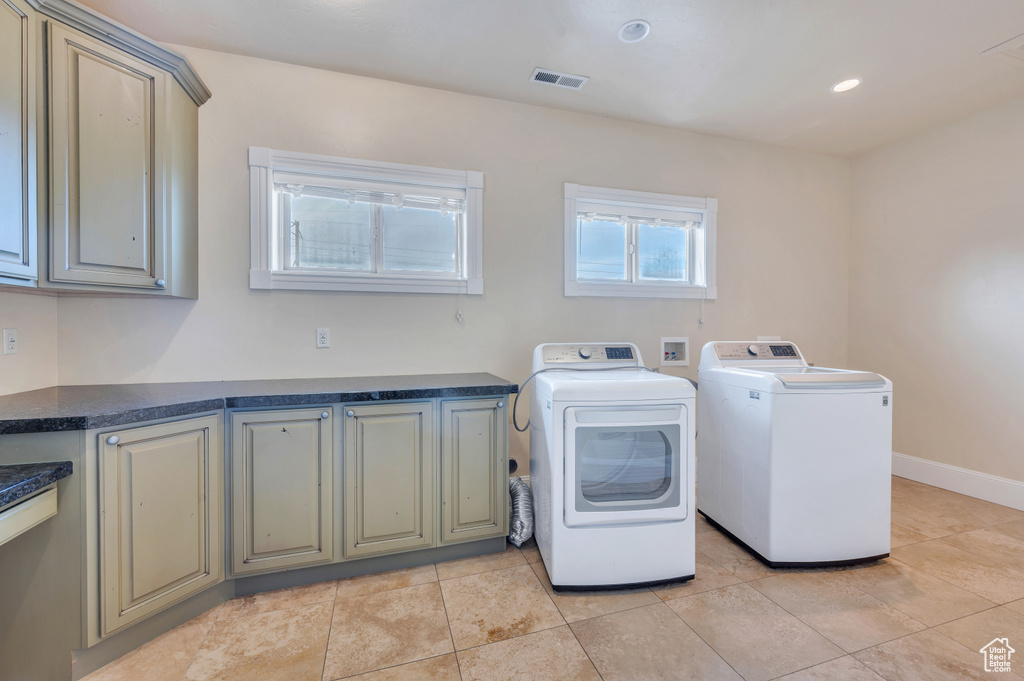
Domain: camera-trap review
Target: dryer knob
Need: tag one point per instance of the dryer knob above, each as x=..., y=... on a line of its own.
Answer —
x=753, y=350
x=585, y=353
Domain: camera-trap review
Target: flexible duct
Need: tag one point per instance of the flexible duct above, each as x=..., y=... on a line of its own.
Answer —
x=520, y=524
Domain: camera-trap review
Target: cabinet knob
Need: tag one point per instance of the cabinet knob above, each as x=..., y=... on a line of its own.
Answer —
x=113, y=440
x=324, y=415
x=500, y=405
x=350, y=413
x=160, y=283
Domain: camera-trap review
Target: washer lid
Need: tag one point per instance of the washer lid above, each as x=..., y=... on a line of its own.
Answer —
x=796, y=378
x=815, y=377
x=613, y=386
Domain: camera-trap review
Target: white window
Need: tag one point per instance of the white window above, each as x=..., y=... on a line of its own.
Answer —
x=339, y=224
x=638, y=244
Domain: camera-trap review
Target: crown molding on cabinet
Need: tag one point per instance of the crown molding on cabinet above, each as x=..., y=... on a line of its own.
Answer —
x=81, y=18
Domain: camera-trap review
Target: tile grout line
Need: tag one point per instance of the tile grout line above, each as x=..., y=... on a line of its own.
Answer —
x=584, y=648
x=697, y=633
x=946, y=581
x=200, y=646
x=899, y=638
x=941, y=578
x=330, y=628
x=812, y=666
x=880, y=602
x=393, y=666
x=448, y=621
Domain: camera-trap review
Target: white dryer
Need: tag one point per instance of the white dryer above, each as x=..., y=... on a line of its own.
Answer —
x=794, y=461
x=611, y=467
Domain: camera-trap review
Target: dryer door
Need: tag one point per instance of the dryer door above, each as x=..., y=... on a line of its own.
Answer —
x=623, y=464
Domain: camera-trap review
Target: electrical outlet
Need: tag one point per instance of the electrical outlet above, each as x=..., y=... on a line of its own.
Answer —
x=10, y=341
x=323, y=338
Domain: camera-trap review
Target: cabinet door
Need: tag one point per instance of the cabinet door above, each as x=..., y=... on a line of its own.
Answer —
x=17, y=141
x=161, y=514
x=281, y=493
x=389, y=478
x=474, y=469
x=107, y=117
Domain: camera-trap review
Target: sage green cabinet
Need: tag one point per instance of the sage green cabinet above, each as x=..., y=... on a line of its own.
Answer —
x=112, y=124
x=474, y=462
x=389, y=477
x=17, y=143
x=161, y=517
x=282, y=474
x=99, y=158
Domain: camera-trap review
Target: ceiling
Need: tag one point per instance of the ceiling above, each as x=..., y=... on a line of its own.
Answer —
x=755, y=70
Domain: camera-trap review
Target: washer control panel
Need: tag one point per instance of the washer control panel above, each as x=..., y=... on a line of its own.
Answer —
x=771, y=350
x=564, y=353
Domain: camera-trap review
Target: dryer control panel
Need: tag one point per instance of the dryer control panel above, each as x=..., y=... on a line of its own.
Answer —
x=770, y=350
x=625, y=354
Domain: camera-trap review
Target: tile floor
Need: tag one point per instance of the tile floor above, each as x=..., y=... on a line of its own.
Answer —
x=954, y=582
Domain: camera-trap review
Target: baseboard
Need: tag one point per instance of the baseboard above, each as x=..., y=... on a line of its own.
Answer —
x=992, y=488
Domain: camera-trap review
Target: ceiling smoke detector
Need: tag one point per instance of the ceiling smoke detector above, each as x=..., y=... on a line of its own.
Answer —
x=566, y=80
x=634, y=31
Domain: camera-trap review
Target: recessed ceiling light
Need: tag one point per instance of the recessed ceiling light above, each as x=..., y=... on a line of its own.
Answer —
x=634, y=31
x=844, y=85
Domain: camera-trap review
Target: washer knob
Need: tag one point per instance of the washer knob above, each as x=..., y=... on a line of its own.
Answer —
x=585, y=353
x=753, y=350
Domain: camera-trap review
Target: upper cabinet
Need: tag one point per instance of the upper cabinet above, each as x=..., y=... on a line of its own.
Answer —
x=17, y=142
x=118, y=199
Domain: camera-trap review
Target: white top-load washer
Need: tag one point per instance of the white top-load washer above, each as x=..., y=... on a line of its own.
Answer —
x=611, y=467
x=794, y=461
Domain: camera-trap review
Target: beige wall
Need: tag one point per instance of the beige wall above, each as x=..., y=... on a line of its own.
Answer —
x=783, y=229
x=35, y=365
x=937, y=288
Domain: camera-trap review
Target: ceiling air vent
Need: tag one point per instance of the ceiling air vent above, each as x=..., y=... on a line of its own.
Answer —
x=566, y=80
x=1011, y=52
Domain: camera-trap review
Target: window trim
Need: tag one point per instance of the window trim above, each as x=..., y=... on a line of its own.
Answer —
x=703, y=239
x=264, y=273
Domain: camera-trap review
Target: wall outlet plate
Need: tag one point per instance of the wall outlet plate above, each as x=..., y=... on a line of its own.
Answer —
x=10, y=341
x=323, y=338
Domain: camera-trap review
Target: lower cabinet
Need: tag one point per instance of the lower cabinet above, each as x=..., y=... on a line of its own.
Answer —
x=282, y=473
x=474, y=459
x=161, y=494
x=408, y=475
x=389, y=477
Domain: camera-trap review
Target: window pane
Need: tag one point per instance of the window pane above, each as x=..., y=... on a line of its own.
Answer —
x=330, y=233
x=623, y=465
x=418, y=239
x=602, y=250
x=662, y=252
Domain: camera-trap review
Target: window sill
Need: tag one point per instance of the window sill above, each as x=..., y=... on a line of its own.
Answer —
x=609, y=290
x=303, y=281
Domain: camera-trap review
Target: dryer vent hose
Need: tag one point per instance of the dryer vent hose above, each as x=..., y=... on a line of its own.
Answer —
x=520, y=525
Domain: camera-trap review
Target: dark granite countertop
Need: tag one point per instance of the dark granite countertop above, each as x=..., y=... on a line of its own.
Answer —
x=19, y=480
x=80, y=407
